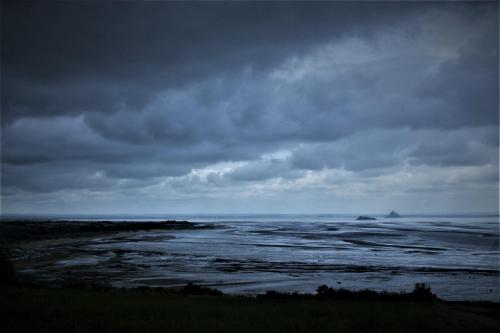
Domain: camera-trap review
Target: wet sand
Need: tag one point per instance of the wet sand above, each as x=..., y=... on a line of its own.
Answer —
x=34, y=244
x=458, y=259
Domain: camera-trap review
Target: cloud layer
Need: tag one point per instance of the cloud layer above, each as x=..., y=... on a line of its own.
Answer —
x=231, y=107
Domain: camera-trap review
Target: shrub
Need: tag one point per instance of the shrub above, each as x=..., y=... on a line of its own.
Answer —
x=423, y=292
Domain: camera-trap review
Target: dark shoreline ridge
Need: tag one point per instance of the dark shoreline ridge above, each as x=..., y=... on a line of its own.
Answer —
x=25, y=230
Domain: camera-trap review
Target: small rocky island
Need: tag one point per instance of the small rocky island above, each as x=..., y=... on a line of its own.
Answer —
x=365, y=218
x=393, y=214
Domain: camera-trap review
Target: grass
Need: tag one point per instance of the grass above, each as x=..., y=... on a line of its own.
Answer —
x=115, y=310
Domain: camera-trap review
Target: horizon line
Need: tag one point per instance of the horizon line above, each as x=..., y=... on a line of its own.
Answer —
x=476, y=213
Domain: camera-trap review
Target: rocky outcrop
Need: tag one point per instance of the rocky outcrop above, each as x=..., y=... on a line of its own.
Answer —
x=365, y=218
x=393, y=214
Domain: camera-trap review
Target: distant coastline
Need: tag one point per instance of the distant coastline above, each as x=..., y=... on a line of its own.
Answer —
x=116, y=217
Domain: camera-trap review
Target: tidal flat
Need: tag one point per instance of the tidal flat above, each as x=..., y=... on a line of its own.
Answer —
x=248, y=255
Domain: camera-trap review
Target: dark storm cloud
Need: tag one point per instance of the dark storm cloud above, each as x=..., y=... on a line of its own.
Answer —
x=65, y=142
x=63, y=58
x=467, y=84
x=109, y=96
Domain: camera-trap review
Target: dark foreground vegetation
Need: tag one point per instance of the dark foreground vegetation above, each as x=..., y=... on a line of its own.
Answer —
x=148, y=310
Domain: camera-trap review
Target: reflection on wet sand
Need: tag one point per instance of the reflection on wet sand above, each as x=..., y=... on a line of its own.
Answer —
x=459, y=260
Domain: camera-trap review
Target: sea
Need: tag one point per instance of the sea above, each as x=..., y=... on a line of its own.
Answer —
x=456, y=255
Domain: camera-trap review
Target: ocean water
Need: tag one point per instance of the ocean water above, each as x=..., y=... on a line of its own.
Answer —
x=458, y=256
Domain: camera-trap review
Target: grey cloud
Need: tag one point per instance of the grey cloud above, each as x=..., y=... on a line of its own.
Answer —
x=388, y=148
x=263, y=170
x=112, y=96
x=467, y=86
x=457, y=148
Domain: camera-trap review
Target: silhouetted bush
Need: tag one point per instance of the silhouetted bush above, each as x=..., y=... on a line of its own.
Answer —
x=271, y=294
x=422, y=292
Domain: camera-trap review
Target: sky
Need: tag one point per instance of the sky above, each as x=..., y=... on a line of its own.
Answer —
x=241, y=107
